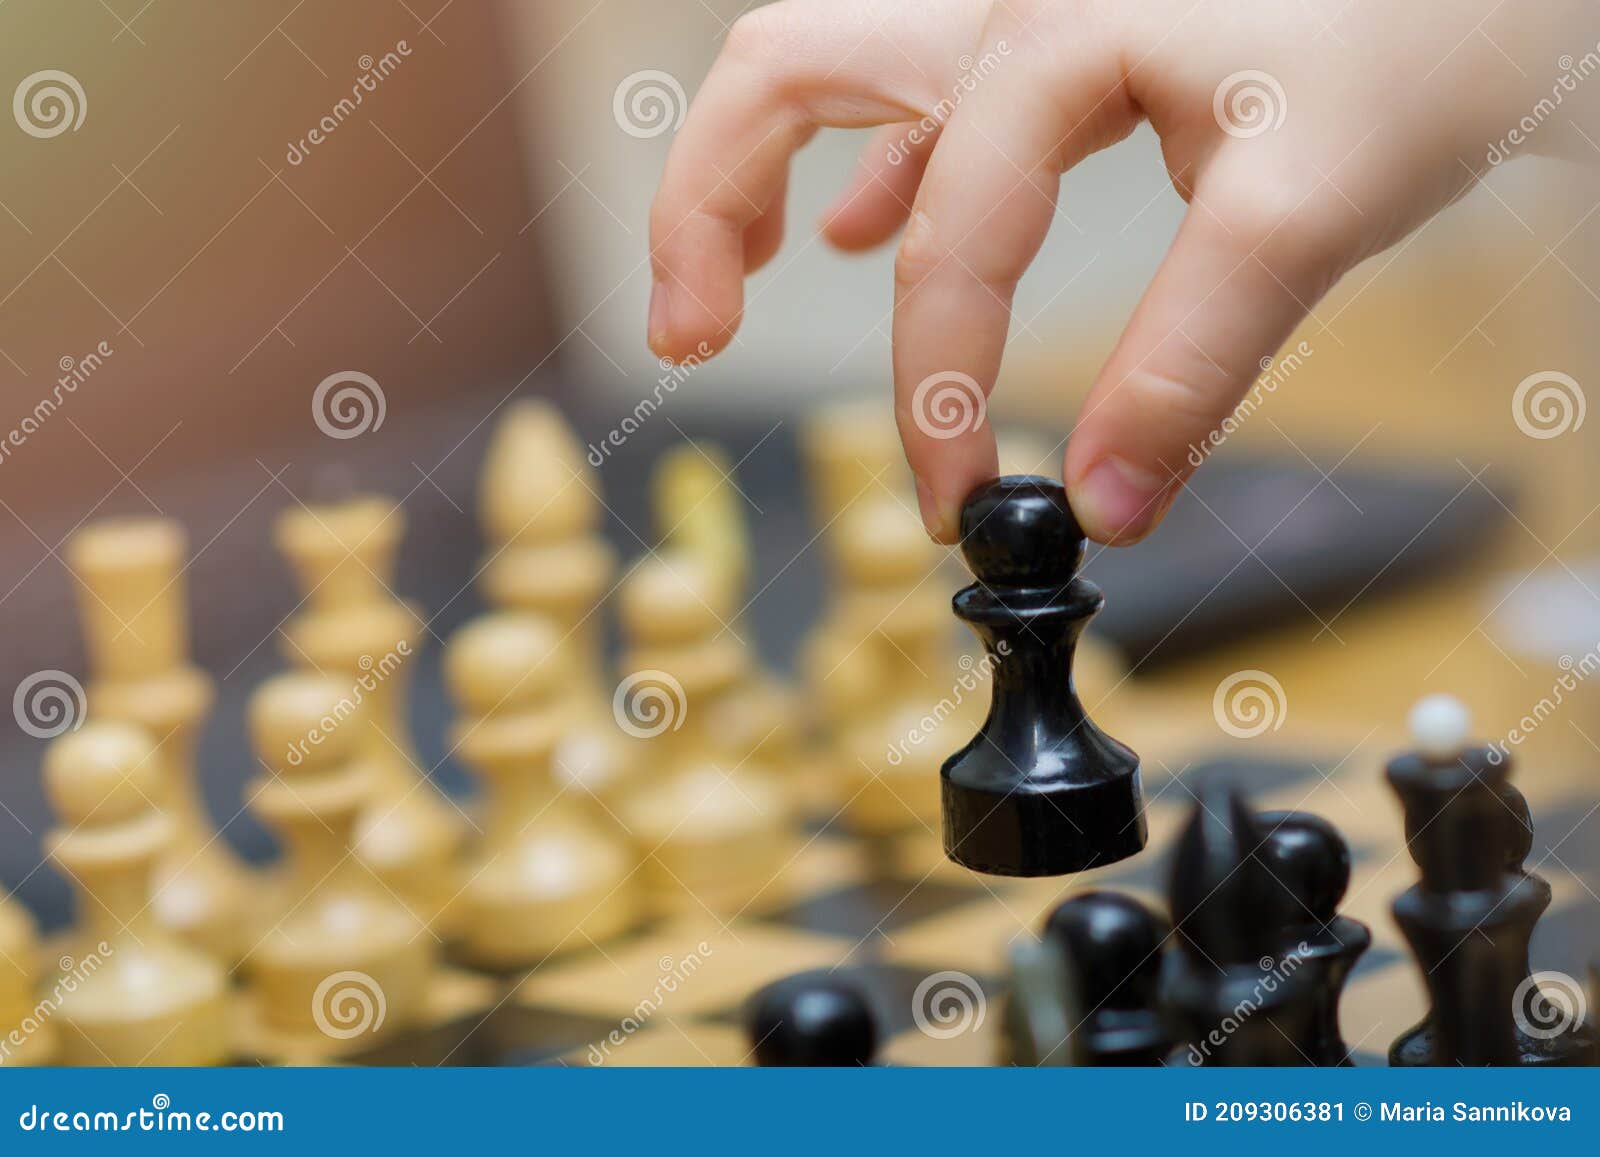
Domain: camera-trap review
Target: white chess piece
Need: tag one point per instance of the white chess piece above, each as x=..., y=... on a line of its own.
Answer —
x=1440, y=725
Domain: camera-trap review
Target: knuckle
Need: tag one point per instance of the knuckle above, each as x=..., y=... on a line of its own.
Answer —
x=756, y=34
x=1178, y=401
x=1018, y=14
x=921, y=251
x=663, y=219
x=1257, y=210
x=1278, y=216
x=1045, y=15
x=926, y=250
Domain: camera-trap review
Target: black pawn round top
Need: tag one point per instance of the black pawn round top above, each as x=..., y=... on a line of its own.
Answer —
x=1308, y=856
x=1115, y=944
x=1019, y=531
x=812, y=1020
x=1111, y=946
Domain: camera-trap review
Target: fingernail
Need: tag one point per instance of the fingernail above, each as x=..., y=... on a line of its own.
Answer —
x=1117, y=501
x=657, y=324
x=932, y=520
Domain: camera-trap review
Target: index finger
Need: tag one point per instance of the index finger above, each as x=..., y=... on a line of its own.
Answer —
x=986, y=203
x=783, y=72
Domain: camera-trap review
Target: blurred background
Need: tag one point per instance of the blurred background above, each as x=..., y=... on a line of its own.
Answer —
x=474, y=231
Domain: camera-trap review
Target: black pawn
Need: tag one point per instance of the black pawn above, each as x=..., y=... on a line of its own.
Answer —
x=1310, y=861
x=1112, y=946
x=1232, y=995
x=812, y=1020
x=1471, y=916
x=1040, y=791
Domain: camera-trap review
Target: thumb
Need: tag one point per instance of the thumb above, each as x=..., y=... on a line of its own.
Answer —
x=1241, y=274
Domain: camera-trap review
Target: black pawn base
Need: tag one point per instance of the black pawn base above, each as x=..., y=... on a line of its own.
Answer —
x=1001, y=829
x=1459, y=932
x=1577, y=1047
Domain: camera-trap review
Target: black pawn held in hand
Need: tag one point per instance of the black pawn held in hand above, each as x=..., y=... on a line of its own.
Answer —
x=1470, y=918
x=1233, y=985
x=1040, y=791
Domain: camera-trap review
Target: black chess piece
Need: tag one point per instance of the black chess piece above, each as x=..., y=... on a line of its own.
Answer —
x=1310, y=861
x=1040, y=790
x=1233, y=994
x=814, y=1020
x=1471, y=916
x=1112, y=946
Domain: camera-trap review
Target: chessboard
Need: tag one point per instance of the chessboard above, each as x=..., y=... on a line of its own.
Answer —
x=927, y=941
x=660, y=835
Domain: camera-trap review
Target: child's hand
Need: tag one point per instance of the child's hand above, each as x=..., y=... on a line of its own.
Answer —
x=1306, y=135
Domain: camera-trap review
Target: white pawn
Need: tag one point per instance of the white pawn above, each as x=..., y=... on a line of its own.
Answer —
x=133, y=606
x=710, y=821
x=27, y=1037
x=355, y=628
x=698, y=516
x=887, y=567
x=1441, y=727
x=539, y=507
x=544, y=876
x=852, y=453
x=698, y=512
x=151, y=999
x=340, y=960
x=923, y=703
